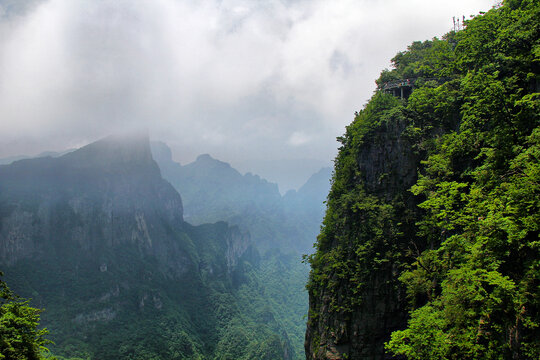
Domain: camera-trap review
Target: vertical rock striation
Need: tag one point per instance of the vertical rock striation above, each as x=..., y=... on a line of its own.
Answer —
x=355, y=297
x=97, y=237
x=105, y=195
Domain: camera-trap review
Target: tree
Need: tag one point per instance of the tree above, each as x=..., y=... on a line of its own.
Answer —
x=20, y=337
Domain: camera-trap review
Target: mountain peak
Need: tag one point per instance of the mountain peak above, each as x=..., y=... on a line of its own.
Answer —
x=114, y=150
x=205, y=157
x=205, y=161
x=161, y=152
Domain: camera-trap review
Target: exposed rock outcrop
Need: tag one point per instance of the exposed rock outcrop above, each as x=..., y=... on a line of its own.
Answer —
x=341, y=328
x=104, y=195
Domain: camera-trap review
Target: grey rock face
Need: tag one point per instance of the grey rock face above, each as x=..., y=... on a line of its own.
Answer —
x=104, y=195
x=237, y=244
x=387, y=167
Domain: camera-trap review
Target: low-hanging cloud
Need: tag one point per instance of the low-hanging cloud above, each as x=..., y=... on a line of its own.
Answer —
x=241, y=79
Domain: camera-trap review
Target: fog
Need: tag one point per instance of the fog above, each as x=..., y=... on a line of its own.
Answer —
x=264, y=85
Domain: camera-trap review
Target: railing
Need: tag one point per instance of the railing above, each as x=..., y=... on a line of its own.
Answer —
x=396, y=84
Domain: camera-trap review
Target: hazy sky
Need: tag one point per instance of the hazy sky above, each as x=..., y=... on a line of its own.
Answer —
x=242, y=79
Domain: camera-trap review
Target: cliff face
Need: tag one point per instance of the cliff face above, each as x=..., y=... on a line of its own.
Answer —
x=97, y=237
x=356, y=304
x=386, y=161
x=430, y=266
x=108, y=194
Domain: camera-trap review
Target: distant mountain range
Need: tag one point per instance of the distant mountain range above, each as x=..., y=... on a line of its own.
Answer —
x=8, y=160
x=97, y=237
x=212, y=191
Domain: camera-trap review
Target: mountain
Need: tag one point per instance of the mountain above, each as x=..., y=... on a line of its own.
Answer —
x=211, y=188
x=429, y=245
x=88, y=195
x=281, y=227
x=308, y=203
x=214, y=191
x=10, y=159
x=316, y=187
x=289, y=173
x=97, y=238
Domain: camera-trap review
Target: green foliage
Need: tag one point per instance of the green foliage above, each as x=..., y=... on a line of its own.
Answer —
x=469, y=258
x=200, y=316
x=359, y=230
x=20, y=337
x=481, y=190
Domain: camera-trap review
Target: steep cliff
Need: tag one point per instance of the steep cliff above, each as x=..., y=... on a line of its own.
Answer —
x=105, y=195
x=429, y=244
x=355, y=296
x=97, y=237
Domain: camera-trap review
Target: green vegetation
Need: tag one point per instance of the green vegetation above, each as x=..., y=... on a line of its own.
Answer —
x=104, y=250
x=20, y=338
x=464, y=239
x=132, y=311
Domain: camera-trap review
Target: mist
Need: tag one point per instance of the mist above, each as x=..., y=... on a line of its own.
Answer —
x=264, y=85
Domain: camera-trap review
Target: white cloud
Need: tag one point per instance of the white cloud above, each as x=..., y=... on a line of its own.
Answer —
x=298, y=138
x=237, y=78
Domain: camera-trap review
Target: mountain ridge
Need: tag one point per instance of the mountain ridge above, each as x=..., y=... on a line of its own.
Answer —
x=213, y=190
x=98, y=239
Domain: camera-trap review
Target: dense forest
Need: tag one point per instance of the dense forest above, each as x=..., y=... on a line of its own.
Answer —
x=430, y=243
x=269, y=296
x=101, y=245
x=429, y=247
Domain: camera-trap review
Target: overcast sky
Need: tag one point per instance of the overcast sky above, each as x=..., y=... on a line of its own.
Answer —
x=243, y=80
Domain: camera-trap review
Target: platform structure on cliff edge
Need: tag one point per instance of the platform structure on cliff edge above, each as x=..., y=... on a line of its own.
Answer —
x=404, y=87
x=399, y=88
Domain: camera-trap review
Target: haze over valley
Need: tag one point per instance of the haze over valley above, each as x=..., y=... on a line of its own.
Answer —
x=266, y=86
x=269, y=180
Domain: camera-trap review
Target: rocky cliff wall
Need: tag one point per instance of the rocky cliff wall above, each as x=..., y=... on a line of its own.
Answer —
x=107, y=194
x=104, y=196
x=356, y=300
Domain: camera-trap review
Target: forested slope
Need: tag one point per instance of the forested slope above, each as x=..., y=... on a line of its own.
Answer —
x=430, y=240
x=280, y=227
x=97, y=238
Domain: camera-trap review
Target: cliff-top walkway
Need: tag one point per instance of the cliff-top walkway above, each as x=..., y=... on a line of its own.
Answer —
x=404, y=87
